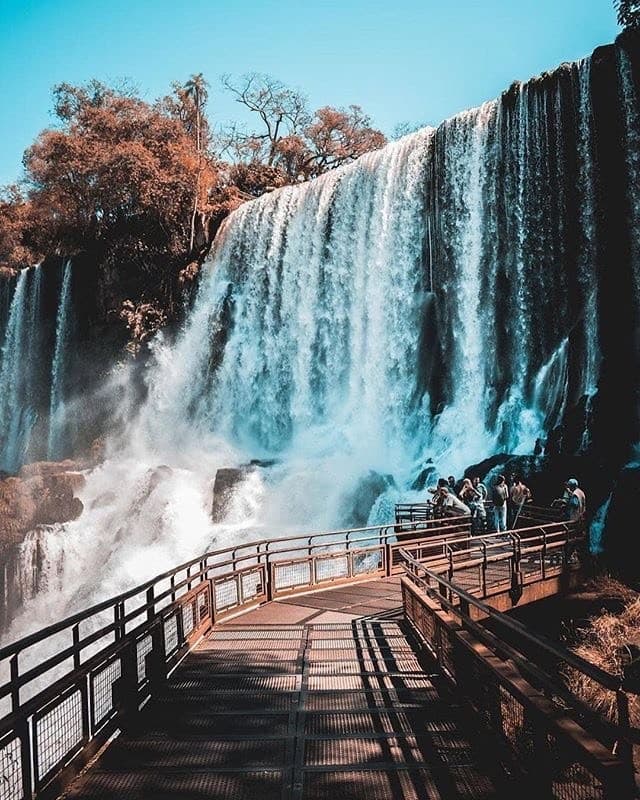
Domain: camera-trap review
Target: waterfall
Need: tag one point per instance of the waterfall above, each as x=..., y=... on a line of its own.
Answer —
x=587, y=246
x=631, y=113
x=64, y=322
x=20, y=362
x=432, y=303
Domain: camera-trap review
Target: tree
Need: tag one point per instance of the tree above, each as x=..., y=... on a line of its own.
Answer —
x=405, y=128
x=195, y=94
x=16, y=218
x=291, y=139
x=628, y=13
x=119, y=178
x=282, y=112
x=337, y=136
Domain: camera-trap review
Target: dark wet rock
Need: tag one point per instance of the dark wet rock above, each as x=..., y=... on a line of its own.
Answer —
x=357, y=506
x=224, y=485
x=263, y=462
x=42, y=494
x=621, y=525
x=426, y=475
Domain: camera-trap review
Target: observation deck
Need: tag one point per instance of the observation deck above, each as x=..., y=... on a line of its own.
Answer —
x=352, y=664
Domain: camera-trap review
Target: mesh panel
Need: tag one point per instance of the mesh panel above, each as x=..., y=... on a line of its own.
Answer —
x=446, y=650
x=144, y=646
x=101, y=690
x=368, y=562
x=577, y=783
x=226, y=594
x=203, y=606
x=331, y=568
x=170, y=634
x=252, y=584
x=10, y=769
x=58, y=733
x=288, y=575
x=571, y=780
x=188, y=617
x=514, y=725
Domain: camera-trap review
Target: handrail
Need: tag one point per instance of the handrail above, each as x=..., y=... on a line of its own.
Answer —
x=606, y=679
x=621, y=730
x=385, y=532
x=117, y=652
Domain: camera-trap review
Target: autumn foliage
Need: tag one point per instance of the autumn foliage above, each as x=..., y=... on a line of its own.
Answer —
x=140, y=187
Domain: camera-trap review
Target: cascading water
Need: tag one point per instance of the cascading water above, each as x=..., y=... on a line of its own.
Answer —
x=20, y=369
x=389, y=314
x=64, y=324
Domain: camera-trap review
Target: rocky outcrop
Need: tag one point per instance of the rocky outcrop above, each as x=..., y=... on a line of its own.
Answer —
x=43, y=493
x=621, y=525
x=225, y=482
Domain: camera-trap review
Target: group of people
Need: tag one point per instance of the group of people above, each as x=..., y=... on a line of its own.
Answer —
x=470, y=495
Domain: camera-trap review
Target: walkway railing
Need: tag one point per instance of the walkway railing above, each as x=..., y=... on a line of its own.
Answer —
x=511, y=679
x=66, y=689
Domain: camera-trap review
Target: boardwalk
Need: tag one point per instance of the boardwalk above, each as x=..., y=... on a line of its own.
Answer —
x=323, y=695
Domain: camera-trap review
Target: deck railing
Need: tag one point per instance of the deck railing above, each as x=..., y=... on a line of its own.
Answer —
x=66, y=689
x=510, y=677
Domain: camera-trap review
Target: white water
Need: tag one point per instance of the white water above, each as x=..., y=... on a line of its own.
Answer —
x=19, y=361
x=320, y=338
x=57, y=408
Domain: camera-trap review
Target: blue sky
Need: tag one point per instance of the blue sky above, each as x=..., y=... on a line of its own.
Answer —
x=401, y=60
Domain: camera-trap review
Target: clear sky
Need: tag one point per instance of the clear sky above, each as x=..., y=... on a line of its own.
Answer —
x=413, y=61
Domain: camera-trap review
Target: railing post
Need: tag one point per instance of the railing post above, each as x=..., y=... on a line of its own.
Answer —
x=173, y=588
x=267, y=573
x=118, y=616
x=151, y=608
x=483, y=545
x=125, y=689
x=15, y=688
x=189, y=578
x=75, y=634
x=157, y=659
x=83, y=686
x=21, y=728
x=516, y=573
x=623, y=747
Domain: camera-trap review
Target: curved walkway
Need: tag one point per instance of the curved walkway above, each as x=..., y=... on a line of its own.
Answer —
x=318, y=696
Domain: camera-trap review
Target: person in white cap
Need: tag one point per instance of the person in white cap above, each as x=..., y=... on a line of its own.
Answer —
x=576, y=501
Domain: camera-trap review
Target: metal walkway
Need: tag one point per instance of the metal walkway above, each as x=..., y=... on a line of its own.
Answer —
x=324, y=695
x=305, y=667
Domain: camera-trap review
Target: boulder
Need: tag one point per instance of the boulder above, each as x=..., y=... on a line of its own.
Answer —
x=357, y=505
x=225, y=482
x=42, y=494
x=621, y=523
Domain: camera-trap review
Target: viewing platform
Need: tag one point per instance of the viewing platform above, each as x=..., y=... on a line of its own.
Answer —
x=352, y=664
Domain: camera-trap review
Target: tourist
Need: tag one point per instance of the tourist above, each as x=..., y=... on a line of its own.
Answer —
x=479, y=512
x=452, y=484
x=499, y=496
x=440, y=494
x=471, y=498
x=576, y=506
x=445, y=499
x=455, y=503
x=519, y=494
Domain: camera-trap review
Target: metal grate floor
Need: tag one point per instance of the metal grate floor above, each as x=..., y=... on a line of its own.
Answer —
x=297, y=712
